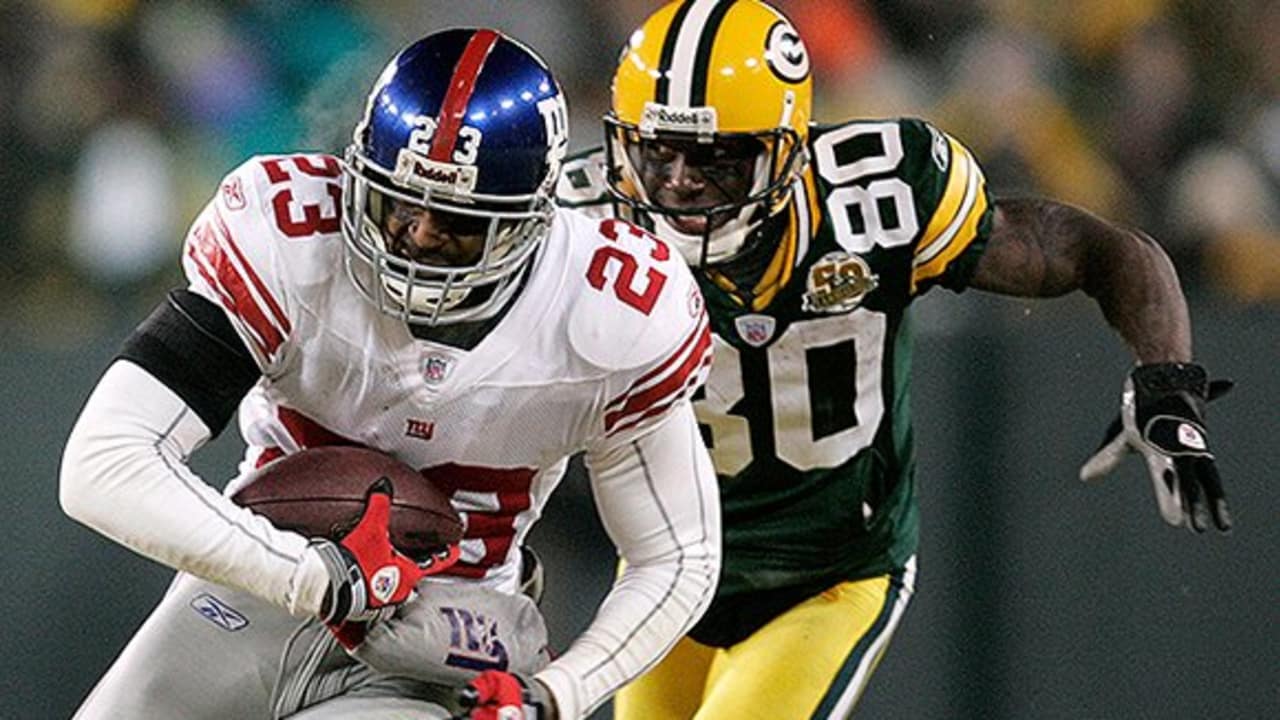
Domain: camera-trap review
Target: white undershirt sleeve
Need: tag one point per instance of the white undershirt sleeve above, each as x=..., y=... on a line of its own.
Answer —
x=659, y=503
x=125, y=474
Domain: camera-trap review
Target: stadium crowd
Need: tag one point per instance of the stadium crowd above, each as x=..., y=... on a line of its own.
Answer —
x=119, y=115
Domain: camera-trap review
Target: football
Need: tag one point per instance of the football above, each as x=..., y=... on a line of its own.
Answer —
x=320, y=492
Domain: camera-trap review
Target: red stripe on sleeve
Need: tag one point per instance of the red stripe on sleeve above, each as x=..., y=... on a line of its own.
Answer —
x=231, y=286
x=463, y=83
x=282, y=320
x=654, y=399
x=228, y=303
x=659, y=409
x=661, y=368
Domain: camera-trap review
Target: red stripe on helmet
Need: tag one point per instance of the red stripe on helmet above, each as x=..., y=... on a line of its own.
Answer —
x=461, y=86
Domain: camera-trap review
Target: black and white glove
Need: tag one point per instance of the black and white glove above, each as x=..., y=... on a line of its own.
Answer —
x=1162, y=417
x=497, y=695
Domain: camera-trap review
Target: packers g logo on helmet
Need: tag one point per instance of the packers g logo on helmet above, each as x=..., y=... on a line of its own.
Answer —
x=786, y=53
x=723, y=74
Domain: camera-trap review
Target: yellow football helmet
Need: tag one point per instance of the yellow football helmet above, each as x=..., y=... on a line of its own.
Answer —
x=707, y=84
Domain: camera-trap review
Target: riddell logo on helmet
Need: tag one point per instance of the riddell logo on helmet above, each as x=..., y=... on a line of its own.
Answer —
x=701, y=120
x=417, y=171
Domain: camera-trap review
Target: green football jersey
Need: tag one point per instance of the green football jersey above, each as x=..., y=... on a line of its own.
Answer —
x=807, y=411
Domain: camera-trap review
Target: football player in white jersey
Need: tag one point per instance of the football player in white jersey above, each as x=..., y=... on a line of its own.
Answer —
x=424, y=297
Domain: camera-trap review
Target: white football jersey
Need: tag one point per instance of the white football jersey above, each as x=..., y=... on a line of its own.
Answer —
x=608, y=333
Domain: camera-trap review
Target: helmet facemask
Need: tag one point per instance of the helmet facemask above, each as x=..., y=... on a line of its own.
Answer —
x=424, y=287
x=736, y=200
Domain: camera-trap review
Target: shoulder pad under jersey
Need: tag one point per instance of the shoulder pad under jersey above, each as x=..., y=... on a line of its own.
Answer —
x=638, y=301
x=582, y=180
x=271, y=227
x=932, y=180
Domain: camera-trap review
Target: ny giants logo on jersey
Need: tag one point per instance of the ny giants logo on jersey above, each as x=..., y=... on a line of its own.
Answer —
x=421, y=429
x=838, y=283
x=473, y=641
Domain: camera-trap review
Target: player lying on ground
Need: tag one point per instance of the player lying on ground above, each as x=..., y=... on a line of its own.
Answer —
x=810, y=242
x=423, y=297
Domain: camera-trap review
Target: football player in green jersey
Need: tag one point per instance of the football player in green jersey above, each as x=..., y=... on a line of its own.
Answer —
x=811, y=241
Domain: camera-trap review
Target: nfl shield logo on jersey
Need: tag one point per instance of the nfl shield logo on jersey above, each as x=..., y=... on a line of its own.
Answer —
x=756, y=330
x=435, y=368
x=838, y=283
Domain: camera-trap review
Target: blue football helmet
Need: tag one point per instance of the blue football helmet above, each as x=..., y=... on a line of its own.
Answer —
x=469, y=126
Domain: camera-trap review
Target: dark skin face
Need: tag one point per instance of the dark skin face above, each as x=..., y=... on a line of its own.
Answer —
x=434, y=237
x=686, y=174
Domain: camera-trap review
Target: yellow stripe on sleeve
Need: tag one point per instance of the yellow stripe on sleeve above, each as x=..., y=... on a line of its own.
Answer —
x=952, y=196
x=955, y=223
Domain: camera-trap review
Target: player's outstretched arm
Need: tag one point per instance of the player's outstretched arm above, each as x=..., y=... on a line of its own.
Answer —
x=1043, y=248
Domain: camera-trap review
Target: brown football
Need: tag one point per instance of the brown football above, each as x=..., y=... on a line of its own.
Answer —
x=321, y=493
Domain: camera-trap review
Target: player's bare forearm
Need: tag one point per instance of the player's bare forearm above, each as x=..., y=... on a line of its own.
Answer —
x=1043, y=248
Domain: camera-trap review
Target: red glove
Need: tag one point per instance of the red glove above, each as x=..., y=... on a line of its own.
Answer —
x=497, y=695
x=367, y=573
x=351, y=633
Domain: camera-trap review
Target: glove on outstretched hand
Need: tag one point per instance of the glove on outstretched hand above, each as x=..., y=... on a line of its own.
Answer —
x=1162, y=417
x=497, y=695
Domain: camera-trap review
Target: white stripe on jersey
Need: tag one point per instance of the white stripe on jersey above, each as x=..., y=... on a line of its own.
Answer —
x=686, y=53
x=974, y=176
x=844, y=706
x=800, y=196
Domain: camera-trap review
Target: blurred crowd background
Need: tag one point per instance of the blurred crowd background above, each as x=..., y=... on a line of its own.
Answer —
x=118, y=117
